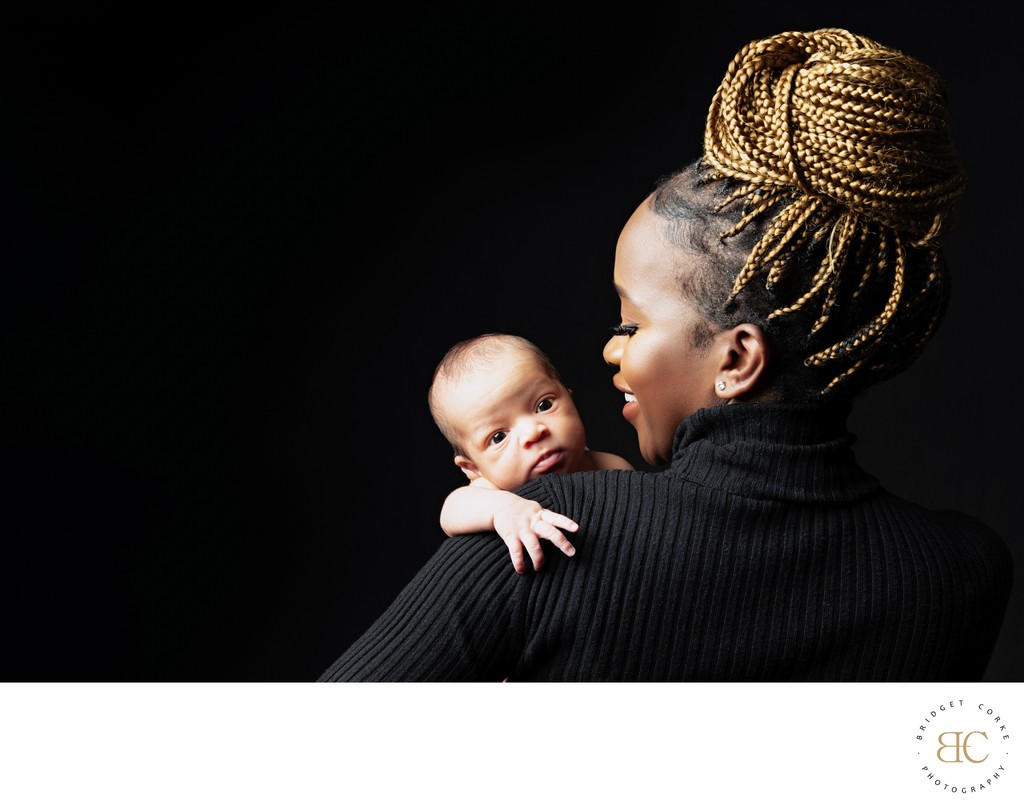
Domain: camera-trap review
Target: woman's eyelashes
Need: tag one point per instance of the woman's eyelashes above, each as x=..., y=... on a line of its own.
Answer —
x=625, y=329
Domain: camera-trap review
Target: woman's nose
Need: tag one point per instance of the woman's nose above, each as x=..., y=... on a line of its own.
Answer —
x=613, y=350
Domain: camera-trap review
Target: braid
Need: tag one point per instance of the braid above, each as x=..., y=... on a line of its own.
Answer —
x=838, y=143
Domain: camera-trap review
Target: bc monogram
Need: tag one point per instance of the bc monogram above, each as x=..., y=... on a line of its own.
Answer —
x=952, y=745
x=962, y=743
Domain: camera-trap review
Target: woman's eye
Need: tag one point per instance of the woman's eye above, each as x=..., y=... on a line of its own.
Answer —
x=625, y=329
x=545, y=404
x=497, y=438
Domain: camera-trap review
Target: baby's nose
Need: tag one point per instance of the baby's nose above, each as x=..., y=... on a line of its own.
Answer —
x=534, y=432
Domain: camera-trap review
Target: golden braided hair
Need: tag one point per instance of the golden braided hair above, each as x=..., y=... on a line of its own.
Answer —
x=847, y=142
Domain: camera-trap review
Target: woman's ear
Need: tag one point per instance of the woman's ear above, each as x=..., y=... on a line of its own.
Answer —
x=744, y=359
x=468, y=467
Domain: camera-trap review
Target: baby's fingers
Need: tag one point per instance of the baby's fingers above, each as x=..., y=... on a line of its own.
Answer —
x=547, y=530
x=515, y=550
x=536, y=553
x=528, y=541
x=558, y=520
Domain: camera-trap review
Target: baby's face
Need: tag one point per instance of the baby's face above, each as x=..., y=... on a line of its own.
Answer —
x=517, y=423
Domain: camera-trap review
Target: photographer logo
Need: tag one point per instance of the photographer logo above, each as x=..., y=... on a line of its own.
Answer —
x=963, y=747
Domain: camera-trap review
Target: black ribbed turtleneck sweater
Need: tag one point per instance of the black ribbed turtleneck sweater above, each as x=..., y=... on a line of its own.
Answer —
x=762, y=553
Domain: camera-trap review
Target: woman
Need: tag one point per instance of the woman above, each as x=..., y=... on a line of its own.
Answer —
x=762, y=288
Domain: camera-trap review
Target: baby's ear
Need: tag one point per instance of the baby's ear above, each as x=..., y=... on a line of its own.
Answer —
x=468, y=467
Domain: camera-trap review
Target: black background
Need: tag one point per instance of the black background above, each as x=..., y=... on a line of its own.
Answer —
x=234, y=248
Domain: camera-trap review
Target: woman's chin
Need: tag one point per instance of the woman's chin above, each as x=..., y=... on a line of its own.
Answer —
x=647, y=454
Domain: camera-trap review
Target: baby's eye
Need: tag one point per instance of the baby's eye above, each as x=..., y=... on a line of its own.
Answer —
x=497, y=438
x=545, y=404
x=625, y=329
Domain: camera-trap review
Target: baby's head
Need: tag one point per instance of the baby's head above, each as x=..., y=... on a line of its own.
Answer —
x=502, y=405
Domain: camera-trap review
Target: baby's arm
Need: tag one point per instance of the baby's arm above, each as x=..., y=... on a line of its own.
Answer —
x=520, y=522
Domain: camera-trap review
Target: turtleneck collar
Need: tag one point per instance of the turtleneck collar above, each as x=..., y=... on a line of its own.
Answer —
x=783, y=452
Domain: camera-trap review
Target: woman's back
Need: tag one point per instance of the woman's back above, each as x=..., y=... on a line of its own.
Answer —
x=763, y=553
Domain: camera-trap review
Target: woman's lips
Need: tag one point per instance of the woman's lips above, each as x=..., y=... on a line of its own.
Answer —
x=630, y=407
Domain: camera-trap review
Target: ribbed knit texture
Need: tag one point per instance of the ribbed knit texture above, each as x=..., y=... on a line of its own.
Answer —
x=762, y=553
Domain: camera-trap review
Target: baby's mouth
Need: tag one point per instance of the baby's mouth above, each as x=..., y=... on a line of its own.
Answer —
x=547, y=461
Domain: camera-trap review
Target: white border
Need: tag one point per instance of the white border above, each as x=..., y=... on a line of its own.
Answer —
x=479, y=745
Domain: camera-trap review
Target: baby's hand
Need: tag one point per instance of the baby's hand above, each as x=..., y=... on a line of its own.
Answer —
x=523, y=523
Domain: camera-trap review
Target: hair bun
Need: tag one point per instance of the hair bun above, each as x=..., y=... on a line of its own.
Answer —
x=839, y=116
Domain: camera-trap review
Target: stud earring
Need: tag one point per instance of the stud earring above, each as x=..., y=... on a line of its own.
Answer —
x=720, y=384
